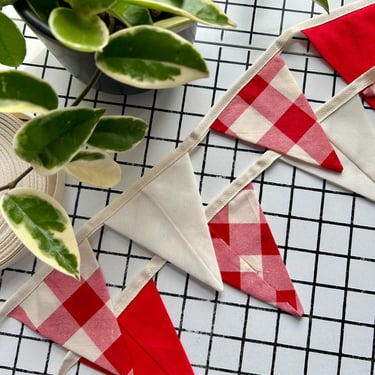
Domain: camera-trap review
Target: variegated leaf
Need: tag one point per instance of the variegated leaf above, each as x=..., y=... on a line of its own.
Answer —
x=43, y=226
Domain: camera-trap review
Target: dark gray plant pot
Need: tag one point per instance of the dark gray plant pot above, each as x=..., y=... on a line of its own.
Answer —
x=80, y=64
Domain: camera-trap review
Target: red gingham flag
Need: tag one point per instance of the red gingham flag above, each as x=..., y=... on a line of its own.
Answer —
x=271, y=111
x=78, y=315
x=247, y=253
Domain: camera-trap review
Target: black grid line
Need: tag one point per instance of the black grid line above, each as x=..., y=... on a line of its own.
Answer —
x=345, y=290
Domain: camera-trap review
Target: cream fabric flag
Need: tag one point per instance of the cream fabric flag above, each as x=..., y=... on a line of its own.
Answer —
x=353, y=136
x=349, y=129
x=166, y=217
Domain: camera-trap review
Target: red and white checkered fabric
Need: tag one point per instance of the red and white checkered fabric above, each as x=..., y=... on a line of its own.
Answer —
x=78, y=315
x=369, y=91
x=150, y=336
x=272, y=112
x=247, y=253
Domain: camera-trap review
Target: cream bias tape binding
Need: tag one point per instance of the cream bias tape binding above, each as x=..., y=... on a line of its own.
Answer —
x=11, y=247
x=90, y=227
x=260, y=165
x=347, y=93
x=69, y=360
x=358, y=176
x=138, y=282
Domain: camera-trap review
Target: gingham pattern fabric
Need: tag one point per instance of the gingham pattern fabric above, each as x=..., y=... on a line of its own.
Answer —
x=150, y=336
x=369, y=91
x=78, y=315
x=247, y=253
x=271, y=111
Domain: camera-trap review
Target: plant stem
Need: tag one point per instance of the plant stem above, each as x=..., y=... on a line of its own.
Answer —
x=13, y=184
x=111, y=24
x=93, y=79
x=89, y=85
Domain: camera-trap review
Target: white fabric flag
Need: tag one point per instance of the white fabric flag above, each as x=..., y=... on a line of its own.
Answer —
x=167, y=218
x=353, y=136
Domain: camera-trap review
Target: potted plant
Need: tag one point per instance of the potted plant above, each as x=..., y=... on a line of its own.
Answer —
x=128, y=45
x=134, y=42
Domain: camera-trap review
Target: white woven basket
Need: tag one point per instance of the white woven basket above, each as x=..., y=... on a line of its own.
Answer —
x=11, y=249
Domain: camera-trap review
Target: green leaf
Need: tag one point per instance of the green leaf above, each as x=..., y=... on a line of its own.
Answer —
x=204, y=11
x=175, y=24
x=130, y=15
x=95, y=168
x=3, y=3
x=50, y=141
x=324, y=4
x=91, y=6
x=44, y=228
x=88, y=156
x=21, y=92
x=12, y=42
x=43, y=8
x=78, y=31
x=150, y=57
x=118, y=133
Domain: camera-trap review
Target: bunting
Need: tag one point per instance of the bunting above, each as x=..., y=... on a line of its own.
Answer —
x=346, y=43
x=248, y=255
x=272, y=112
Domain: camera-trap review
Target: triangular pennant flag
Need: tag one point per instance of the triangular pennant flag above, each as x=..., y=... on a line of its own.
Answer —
x=150, y=336
x=351, y=132
x=271, y=111
x=347, y=43
x=247, y=253
x=78, y=315
x=166, y=217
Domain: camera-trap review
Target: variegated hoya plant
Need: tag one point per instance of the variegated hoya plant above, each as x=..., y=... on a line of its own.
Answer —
x=130, y=47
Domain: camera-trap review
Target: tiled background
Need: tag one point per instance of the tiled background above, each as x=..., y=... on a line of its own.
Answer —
x=326, y=234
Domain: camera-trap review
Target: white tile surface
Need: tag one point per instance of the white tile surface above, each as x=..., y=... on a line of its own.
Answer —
x=230, y=333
